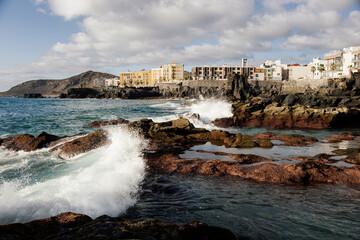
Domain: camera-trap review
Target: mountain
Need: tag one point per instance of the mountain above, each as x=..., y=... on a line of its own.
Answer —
x=52, y=88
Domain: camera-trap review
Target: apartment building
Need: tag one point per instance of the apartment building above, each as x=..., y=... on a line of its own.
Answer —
x=317, y=67
x=220, y=72
x=112, y=82
x=259, y=74
x=135, y=79
x=156, y=76
x=340, y=63
x=273, y=70
x=172, y=72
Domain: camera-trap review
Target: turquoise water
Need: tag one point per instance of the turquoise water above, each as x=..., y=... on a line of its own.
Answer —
x=113, y=180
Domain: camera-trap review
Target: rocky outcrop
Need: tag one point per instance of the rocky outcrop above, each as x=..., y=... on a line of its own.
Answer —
x=33, y=95
x=303, y=173
x=82, y=144
x=182, y=133
x=81, y=93
x=295, y=140
x=78, y=226
x=348, y=136
x=260, y=113
x=107, y=123
x=27, y=142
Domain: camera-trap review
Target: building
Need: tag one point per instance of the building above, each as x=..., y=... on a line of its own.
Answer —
x=112, y=82
x=173, y=72
x=273, y=70
x=259, y=74
x=220, y=72
x=135, y=79
x=317, y=67
x=340, y=63
x=298, y=72
x=156, y=76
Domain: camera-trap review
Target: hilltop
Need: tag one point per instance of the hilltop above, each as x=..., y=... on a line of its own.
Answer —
x=50, y=87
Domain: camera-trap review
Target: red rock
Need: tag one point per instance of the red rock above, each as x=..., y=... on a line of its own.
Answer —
x=27, y=142
x=82, y=145
x=307, y=172
x=342, y=137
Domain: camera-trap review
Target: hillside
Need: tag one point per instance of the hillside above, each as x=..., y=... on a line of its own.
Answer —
x=48, y=87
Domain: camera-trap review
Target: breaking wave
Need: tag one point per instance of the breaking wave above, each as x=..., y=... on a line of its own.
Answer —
x=103, y=181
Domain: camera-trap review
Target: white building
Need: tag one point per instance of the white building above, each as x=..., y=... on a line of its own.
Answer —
x=319, y=66
x=341, y=62
x=299, y=72
x=112, y=82
x=273, y=70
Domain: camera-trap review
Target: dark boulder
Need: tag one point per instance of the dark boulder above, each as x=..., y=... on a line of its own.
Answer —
x=79, y=226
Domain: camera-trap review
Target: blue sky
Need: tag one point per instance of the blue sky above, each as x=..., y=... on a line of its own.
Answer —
x=60, y=38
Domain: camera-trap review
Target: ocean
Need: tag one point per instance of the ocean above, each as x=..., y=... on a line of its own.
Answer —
x=113, y=179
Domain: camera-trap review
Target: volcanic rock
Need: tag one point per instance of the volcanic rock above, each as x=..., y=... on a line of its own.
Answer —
x=27, y=142
x=110, y=122
x=341, y=137
x=82, y=145
x=78, y=226
x=303, y=173
x=295, y=116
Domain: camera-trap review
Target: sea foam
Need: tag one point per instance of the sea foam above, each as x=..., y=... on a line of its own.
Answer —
x=103, y=181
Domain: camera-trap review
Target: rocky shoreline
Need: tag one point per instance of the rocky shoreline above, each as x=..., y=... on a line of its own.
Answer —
x=79, y=226
x=168, y=140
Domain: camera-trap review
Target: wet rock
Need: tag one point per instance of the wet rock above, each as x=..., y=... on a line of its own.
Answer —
x=264, y=143
x=78, y=226
x=304, y=173
x=27, y=142
x=43, y=228
x=348, y=136
x=353, y=155
x=82, y=144
x=273, y=115
x=110, y=122
x=241, y=158
x=295, y=140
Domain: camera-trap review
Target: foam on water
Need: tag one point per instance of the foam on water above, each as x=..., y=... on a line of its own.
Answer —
x=102, y=181
x=210, y=110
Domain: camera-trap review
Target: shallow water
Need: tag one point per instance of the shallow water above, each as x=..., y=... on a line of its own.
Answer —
x=258, y=210
x=111, y=180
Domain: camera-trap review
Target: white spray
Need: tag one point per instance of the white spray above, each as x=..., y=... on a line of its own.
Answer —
x=102, y=181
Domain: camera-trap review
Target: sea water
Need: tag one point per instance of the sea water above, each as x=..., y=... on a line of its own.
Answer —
x=112, y=180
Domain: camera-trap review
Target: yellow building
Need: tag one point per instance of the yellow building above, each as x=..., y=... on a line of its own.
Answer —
x=135, y=79
x=156, y=76
x=173, y=72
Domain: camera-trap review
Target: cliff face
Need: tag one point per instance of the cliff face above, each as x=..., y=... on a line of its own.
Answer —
x=55, y=87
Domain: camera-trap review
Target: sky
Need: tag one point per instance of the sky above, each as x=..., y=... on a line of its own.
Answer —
x=47, y=39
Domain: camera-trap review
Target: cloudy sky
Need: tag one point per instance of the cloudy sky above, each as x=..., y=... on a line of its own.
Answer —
x=60, y=38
